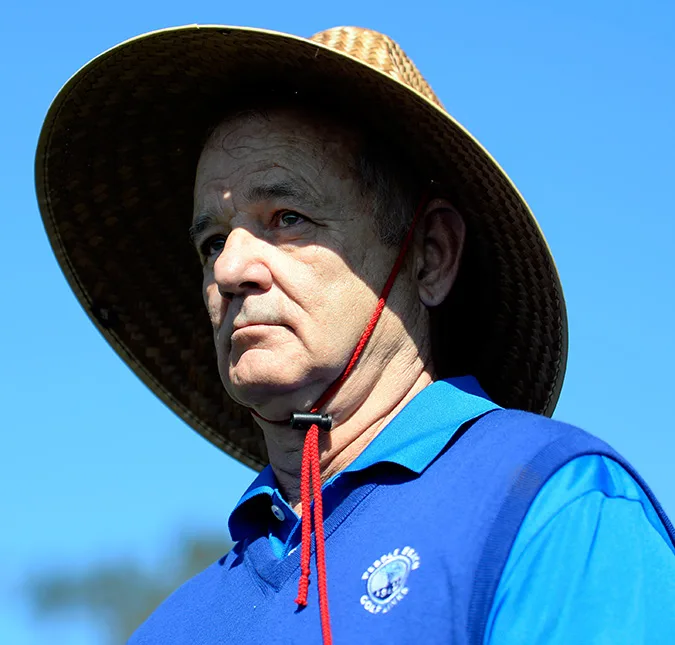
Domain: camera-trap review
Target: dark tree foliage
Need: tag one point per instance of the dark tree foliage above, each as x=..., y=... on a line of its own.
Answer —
x=117, y=595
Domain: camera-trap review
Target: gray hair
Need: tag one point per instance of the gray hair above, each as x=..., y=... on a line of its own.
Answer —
x=393, y=191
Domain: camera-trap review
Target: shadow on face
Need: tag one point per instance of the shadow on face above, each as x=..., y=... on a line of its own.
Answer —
x=297, y=228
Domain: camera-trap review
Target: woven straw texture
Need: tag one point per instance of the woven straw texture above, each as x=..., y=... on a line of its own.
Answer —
x=114, y=170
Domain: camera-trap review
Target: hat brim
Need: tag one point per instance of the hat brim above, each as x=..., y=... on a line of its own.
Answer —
x=115, y=167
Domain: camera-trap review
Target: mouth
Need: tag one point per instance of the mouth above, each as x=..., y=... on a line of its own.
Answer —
x=255, y=326
x=239, y=327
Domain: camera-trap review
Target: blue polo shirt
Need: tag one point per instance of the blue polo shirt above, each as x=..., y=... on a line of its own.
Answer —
x=411, y=550
x=592, y=561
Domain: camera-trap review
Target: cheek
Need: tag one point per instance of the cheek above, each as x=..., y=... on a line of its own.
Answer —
x=213, y=301
x=341, y=308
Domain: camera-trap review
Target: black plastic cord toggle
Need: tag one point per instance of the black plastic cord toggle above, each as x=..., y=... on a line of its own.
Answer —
x=305, y=420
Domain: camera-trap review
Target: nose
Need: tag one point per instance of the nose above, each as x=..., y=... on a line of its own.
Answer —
x=241, y=267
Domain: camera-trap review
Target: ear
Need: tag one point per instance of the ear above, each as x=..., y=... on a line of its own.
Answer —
x=439, y=251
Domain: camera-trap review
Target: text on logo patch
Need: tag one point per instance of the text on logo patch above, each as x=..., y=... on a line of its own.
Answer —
x=386, y=580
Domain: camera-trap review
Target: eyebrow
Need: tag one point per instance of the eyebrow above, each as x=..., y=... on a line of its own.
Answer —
x=278, y=190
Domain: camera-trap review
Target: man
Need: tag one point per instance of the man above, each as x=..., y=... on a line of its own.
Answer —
x=378, y=293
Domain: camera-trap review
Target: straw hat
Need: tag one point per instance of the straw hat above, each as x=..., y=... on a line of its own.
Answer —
x=115, y=167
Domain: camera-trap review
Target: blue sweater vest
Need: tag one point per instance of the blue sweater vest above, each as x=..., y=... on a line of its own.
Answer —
x=405, y=564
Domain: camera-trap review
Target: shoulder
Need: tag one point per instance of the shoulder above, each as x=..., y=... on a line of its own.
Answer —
x=519, y=425
x=537, y=471
x=593, y=559
x=517, y=452
x=535, y=448
x=560, y=463
x=592, y=484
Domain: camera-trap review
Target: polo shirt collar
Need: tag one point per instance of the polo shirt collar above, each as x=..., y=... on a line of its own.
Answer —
x=418, y=433
x=412, y=440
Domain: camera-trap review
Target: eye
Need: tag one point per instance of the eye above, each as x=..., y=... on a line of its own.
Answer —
x=286, y=219
x=212, y=246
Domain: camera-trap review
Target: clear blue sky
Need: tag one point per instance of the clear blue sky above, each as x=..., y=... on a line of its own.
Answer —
x=575, y=100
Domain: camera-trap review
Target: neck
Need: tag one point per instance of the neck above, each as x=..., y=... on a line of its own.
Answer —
x=357, y=421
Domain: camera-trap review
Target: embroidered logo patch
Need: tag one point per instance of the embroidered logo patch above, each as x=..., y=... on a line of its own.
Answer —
x=386, y=580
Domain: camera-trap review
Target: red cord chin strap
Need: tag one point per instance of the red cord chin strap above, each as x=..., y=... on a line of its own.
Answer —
x=311, y=456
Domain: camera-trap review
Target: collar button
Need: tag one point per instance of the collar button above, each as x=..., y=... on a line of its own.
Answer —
x=278, y=513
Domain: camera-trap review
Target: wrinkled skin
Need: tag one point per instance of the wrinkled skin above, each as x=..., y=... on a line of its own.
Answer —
x=293, y=267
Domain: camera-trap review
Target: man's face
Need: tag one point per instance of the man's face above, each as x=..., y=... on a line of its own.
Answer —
x=292, y=262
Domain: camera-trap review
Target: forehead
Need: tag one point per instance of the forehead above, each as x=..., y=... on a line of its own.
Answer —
x=278, y=143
